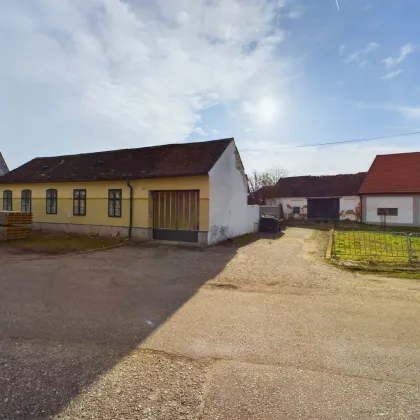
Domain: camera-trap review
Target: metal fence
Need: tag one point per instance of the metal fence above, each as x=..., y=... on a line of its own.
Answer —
x=381, y=246
x=415, y=246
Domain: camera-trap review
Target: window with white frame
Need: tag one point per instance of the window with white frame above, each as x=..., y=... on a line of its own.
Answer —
x=26, y=201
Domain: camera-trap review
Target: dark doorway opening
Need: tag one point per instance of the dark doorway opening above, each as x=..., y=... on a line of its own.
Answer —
x=323, y=208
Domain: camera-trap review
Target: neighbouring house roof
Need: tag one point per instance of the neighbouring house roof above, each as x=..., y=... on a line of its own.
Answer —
x=170, y=160
x=3, y=166
x=317, y=186
x=393, y=174
x=258, y=196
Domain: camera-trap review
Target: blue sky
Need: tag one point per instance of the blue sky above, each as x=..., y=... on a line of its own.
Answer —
x=81, y=76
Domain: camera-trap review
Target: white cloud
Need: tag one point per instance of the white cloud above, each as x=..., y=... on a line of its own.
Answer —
x=392, y=74
x=408, y=112
x=411, y=113
x=200, y=131
x=107, y=73
x=356, y=56
x=405, y=51
x=341, y=50
x=347, y=158
x=350, y=158
x=353, y=57
x=370, y=47
x=295, y=12
x=216, y=132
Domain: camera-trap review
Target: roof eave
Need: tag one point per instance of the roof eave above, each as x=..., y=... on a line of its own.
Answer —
x=134, y=178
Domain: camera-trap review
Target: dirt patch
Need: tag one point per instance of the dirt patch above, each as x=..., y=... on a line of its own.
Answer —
x=223, y=286
x=405, y=271
x=317, y=244
x=57, y=244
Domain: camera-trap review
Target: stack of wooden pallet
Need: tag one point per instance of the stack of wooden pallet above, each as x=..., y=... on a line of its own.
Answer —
x=15, y=225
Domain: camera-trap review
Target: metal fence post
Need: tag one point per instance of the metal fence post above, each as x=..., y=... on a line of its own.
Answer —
x=410, y=249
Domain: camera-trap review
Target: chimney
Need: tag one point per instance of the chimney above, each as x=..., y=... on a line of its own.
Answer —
x=3, y=167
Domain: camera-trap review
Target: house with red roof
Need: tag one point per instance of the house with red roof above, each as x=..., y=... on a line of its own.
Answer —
x=391, y=190
x=330, y=197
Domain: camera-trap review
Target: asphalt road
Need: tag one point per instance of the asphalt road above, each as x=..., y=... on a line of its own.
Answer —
x=263, y=331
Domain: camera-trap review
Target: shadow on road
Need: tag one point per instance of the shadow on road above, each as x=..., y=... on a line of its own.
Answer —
x=65, y=321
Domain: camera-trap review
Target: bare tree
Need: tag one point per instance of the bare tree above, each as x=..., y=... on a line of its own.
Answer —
x=270, y=177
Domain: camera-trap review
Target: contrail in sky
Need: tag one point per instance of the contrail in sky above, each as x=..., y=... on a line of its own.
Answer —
x=338, y=7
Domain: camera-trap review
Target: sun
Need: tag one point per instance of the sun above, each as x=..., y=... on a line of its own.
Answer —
x=266, y=109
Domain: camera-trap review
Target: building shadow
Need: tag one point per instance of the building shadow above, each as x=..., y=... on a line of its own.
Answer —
x=65, y=321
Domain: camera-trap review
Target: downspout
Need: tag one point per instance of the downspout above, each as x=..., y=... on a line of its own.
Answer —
x=361, y=208
x=130, y=225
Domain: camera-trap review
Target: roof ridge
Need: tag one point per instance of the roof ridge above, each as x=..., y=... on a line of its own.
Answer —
x=169, y=160
x=135, y=148
x=320, y=176
x=399, y=154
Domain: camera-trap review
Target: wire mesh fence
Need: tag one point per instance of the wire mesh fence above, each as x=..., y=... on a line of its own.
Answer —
x=379, y=246
x=414, y=239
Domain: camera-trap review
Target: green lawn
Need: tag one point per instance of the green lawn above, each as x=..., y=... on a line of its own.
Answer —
x=375, y=246
x=53, y=243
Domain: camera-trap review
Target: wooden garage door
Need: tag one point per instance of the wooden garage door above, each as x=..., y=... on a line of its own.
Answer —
x=176, y=215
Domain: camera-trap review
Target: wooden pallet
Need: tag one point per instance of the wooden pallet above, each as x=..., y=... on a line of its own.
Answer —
x=15, y=218
x=8, y=233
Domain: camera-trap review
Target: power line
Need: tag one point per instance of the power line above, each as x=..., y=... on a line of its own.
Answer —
x=334, y=142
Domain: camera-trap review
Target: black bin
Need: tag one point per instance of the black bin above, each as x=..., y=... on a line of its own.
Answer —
x=270, y=224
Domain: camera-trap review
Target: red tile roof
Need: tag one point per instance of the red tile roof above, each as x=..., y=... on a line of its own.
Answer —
x=318, y=186
x=393, y=174
x=170, y=160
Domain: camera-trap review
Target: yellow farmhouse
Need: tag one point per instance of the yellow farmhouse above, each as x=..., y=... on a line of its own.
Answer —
x=194, y=192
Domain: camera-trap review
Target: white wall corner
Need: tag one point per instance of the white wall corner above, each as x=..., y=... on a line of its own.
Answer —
x=228, y=186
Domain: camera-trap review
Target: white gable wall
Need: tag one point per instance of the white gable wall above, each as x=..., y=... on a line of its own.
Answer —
x=3, y=166
x=230, y=214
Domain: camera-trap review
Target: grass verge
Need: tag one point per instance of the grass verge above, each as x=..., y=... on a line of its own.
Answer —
x=406, y=271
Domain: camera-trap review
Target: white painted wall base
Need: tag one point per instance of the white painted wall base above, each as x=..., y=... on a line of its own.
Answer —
x=140, y=234
x=114, y=231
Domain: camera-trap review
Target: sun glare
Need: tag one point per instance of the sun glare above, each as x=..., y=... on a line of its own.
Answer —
x=267, y=109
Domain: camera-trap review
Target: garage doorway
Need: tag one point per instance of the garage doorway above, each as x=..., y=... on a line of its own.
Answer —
x=323, y=208
x=176, y=215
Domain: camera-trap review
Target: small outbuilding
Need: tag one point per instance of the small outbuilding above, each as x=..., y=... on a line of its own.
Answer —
x=330, y=197
x=391, y=191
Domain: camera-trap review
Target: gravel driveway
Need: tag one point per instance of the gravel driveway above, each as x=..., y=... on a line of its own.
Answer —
x=262, y=331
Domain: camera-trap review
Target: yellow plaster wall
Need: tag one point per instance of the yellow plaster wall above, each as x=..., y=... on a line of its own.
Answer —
x=97, y=200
